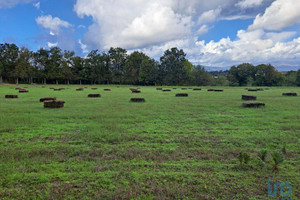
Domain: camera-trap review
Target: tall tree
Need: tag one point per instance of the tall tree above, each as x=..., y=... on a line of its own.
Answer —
x=54, y=66
x=41, y=61
x=23, y=65
x=67, y=72
x=118, y=58
x=9, y=54
x=173, y=66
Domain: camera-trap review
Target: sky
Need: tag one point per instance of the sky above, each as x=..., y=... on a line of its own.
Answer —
x=215, y=33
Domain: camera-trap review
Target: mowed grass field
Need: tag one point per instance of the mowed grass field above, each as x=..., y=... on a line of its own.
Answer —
x=165, y=148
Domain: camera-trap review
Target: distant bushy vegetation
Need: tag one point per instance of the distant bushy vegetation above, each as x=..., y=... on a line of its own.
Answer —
x=117, y=67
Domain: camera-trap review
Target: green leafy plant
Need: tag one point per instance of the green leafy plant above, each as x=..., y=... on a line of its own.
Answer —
x=277, y=158
x=262, y=155
x=244, y=158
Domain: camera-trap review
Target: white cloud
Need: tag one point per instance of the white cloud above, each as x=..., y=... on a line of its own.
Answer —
x=37, y=5
x=209, y=16
x=12, y=3
x=281, y=14
x=83, y=47
x=50, y=45
x=249, y=3
x=54, y=24
x=155, y=26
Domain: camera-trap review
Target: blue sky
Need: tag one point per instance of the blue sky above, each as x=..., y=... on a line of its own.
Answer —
x=212, y=32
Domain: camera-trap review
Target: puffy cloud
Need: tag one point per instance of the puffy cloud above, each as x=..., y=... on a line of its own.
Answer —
x=249, y=3
x=281, y=14
x=155, y=26
x=12, y=3
x=50, y=45
x=209, y=16
x=54, y=24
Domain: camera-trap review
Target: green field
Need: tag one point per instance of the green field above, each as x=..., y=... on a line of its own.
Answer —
x=165, y=148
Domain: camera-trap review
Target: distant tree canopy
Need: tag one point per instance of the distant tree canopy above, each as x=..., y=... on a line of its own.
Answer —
x=118, y=67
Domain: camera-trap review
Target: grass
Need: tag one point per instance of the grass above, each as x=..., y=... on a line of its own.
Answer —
x=165, y=148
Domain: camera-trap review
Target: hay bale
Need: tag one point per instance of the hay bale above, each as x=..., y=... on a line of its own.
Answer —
x=166, y=90
x=182, y=95
x=290, y=94
x=137, y=100
x=23, y=91
x=210, y=90
x=252, y=90
x=94, y=95
x=184, y=88
x=107, y=90
x=94, y=88
x=57, y=89
x=174, y=88
x=135, y=91
x=52, y=88
x=132, y=89
x=158, y=88
x=47, y=99
x=54, y=104
x=197, y=89
x=79, y=89
x=253, y=104
x=248, y=97
x=11, y=96
x=61, y=88
x=219, y=90
x=19, y=88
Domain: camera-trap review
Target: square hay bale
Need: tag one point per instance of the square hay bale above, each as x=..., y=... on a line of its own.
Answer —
x=94, y=88
x=79, y=89
x=138, y=100
x=11, y=96
x=184, y=88
x=219, y=90
x=252, y=90
x=253, y=104
x=182, y=95
x=210, y=90
x=107, y=90
x=166, y=90
x=248, y=97
x=54, y=104
x=174, y=88
x=19, y=88
x=290, y=94
x=57, y=89
x=135, y=91
x=23, y=91
x=94, y=95
x=197, y=89
x=158, y=88
x=47, y=99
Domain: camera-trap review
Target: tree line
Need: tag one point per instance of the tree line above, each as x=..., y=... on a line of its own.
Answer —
x=117, y=66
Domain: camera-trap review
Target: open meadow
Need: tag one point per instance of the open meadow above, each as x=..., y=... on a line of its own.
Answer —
x=165, y=148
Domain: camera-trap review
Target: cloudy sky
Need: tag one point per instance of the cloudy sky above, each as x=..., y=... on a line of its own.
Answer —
x=217, y=33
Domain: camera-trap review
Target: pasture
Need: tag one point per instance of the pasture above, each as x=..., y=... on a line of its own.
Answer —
x=164, y=148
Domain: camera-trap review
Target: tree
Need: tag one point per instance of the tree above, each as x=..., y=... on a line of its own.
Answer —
x=9, y=54
x=266, y=75
x=54, y=66
x=173, y=66
x=140, y=69
x=67, y=66
x=298, y=78
x=41, y=62
x=200, y=77
x=23, y=65
x=1, y=72
x=118, y=58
